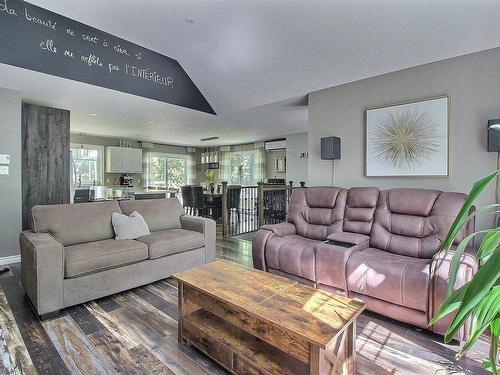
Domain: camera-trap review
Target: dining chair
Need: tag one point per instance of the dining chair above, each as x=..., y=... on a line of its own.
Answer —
x=187, y=199
x=200, y=205
x=233, y=201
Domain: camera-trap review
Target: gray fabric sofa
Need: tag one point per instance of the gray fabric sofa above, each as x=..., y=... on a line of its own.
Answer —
x=70, y=256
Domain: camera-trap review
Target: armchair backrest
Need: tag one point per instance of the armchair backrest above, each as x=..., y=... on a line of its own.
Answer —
x=360, y=209
x=414, y=222
x=317, y=212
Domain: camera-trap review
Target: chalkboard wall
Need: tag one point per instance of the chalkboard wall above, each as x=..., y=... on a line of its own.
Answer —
x=37, y=39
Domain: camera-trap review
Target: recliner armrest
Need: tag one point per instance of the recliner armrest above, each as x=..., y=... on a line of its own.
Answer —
x=204, y=226
x=467, y=259
x=42, y=270
x=281, y=229
x=439, y=287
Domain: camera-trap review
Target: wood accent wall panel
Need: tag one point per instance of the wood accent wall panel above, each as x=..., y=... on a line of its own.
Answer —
x=46, y=170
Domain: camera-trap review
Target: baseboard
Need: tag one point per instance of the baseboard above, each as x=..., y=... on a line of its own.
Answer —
x=10, y=260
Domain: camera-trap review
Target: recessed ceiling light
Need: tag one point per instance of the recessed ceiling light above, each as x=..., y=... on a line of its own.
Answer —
x=151, y=122
x=93, y=114
x=189, y=21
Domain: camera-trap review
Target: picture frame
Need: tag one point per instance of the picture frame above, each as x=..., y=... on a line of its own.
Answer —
x=280, y=164
x=408, y=139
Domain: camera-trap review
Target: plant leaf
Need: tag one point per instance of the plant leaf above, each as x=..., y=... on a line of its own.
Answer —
x=478, y=287
x=457, y=257
x=495, y=325
x=459, y=222
x=485, y=313
x=455, y=261
x=489, y=244
x=451, y=303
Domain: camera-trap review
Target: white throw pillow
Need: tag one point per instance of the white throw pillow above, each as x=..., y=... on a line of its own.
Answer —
x=129, y=227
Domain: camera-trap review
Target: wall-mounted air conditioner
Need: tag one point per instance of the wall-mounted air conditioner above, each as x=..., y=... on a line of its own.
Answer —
x=275, y=145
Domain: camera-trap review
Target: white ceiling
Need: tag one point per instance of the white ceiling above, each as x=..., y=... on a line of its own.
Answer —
x=250, y=57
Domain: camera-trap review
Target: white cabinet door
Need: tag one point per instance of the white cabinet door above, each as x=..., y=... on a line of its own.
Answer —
x=136, y=160
x=114, y=160
x=128, y=160
x=132, y=160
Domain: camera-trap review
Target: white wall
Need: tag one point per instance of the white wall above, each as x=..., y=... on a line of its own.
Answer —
x=296, y=167
x=10, y=186
x=473, y=85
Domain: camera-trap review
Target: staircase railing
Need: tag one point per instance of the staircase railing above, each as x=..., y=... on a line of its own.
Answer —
x=253, y=206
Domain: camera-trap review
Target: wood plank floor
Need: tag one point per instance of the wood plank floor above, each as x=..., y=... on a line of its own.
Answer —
x=135, y=332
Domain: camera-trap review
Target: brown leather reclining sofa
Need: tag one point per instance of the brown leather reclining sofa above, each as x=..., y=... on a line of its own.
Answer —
x=376, y=246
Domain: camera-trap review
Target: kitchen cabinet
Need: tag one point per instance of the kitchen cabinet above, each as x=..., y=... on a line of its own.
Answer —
x=123, y=160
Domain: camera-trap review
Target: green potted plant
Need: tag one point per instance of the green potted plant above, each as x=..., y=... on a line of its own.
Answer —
x=480, y=297
x=210, y=180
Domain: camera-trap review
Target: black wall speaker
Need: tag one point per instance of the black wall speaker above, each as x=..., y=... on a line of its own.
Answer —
x=493, y=136
x=330, y=148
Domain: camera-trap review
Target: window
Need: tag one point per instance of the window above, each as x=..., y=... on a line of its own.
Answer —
x=87, y=164
x=167, y=171
x=242, y=170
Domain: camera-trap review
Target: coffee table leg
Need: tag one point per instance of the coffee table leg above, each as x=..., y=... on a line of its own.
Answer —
x=350, y=349
x=339, y=356
x=180, y=310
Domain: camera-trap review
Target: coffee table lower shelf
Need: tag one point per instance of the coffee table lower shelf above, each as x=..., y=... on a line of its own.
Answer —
x=236, y=350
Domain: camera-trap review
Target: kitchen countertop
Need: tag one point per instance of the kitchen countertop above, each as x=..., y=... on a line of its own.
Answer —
x=152, y=191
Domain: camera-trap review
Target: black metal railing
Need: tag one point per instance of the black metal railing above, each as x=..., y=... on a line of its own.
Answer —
x=239, y=209
x=246, y=208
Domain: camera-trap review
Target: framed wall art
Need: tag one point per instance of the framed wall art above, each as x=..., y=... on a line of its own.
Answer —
x=408, y=139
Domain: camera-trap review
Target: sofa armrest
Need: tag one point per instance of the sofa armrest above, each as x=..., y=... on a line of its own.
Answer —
x=439, y=287
x=42, y=270
x=260, y=240
x=204, y=226
x=281, y=229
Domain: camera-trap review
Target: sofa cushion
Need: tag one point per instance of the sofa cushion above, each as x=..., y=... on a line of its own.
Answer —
x=72, y=224
x=317, y=211
x=390, y=277
x=172, y=241
x=360, y=209
x=160, y=214
x=414, y=222
x=102, y=255
x=292, y=254
x=129, y=227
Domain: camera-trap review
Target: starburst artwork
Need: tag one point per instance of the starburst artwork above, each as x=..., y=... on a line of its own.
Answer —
x=408, y=139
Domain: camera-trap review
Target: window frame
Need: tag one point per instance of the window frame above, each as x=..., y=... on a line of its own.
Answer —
x=169, y=156
x=251, y=153
x=101, y=155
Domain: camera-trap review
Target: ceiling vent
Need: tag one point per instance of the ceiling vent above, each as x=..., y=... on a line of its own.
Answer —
x=275, y=145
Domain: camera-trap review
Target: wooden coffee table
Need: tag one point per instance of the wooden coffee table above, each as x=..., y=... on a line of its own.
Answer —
x=253, y=322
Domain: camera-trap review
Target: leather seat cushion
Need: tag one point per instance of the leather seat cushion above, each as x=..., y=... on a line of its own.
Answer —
x=390, y=277
x=172, y=241
x=292, y=254
x=98, y=256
